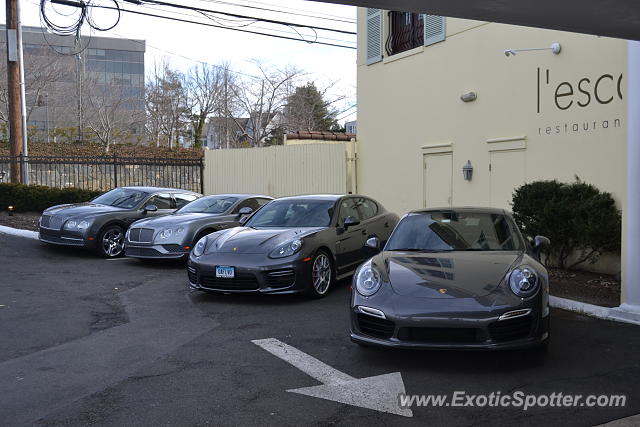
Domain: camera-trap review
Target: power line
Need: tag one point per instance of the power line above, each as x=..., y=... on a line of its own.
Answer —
x=336, y=19
x=288, y=8
x=235, y=15
x=227, y=28
x=258, y=27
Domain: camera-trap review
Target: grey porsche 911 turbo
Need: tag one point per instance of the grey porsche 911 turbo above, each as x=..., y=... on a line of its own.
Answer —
x=296, y=244
x=453, y=278
x=173, y=236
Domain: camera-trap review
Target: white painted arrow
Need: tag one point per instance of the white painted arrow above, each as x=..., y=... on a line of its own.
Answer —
x=379, y=393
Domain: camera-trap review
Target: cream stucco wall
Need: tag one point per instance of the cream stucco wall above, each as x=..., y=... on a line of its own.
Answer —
x=409, y=105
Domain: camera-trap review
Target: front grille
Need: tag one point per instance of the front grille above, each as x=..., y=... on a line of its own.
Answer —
x=242, y=282
x=55, y=237
x=51, y=222
x=440, y=335
x=173, y=248
x=150, y=252
x=374, y=326
x=511, y=329
x=281, y=278
x=142, y=235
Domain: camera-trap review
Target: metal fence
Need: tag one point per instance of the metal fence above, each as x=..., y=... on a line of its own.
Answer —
x=107, y=172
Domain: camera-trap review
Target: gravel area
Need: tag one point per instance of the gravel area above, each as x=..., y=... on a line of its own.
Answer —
x=23, y=220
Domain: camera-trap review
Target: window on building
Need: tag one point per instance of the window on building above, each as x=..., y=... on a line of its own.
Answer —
x=406, y=31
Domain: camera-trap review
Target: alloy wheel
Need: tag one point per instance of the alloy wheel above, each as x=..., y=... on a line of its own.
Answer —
x=321, y=273
x=113, y=242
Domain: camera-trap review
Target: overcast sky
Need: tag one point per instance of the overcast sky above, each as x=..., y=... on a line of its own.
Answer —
x=185, y=43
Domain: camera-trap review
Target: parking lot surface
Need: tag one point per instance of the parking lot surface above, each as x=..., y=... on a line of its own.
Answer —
x=86, y=341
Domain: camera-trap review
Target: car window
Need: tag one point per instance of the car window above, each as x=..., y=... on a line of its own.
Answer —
x=248, y=203
x=121, y=198
x=209, y=204
x=367, y=208
x=294, y=213
x=262, y=202
x=182, y=199
x=162, y=201
x=348, y=208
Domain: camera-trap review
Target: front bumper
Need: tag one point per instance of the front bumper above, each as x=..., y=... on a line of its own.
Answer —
x=154, y=251
x=64, y=238
x=461, y=324
x=254, y=274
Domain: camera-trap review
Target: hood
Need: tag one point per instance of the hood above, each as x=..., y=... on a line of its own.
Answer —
x=257, y=241
x=446, y=274
x=78, y=210
x=172, y=220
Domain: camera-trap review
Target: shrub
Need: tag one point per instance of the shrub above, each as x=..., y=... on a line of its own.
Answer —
x=580, y=220
x=36, y=198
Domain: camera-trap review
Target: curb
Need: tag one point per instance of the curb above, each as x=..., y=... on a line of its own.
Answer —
x=18, y=232
x=624, y=313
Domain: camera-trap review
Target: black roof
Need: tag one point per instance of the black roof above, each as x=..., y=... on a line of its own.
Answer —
x=157, y=189
x=461, y=209
x=332, y=197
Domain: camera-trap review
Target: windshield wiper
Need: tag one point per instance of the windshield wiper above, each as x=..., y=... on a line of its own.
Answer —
x=420, y=250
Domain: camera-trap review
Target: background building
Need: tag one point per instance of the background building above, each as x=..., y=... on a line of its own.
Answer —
x=536, y=115
x=98, y=87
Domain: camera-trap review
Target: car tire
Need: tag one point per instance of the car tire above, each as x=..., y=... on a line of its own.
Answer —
x=111, y=242
x=322, y=274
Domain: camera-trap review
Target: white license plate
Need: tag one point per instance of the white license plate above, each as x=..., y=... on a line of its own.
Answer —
x=225, y=272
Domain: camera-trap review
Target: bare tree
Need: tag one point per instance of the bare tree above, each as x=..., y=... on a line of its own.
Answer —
x=206, y=87
x=262, y=100
x=166, y=104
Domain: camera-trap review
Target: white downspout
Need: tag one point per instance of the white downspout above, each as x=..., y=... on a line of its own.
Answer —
x=630, y=306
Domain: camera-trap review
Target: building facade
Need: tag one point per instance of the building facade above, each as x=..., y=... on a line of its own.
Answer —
x=97, y=87
x=437, y=94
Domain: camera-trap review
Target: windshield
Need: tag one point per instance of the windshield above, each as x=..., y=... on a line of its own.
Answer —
x=294, y=213
x=121, y=198
x=455, y=231
x=211, y=205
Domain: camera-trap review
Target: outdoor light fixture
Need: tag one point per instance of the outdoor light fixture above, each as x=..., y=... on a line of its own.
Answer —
x=467, y=171
x=10, y=209
x=2, y=174
x=469, y=97
x=555, y=48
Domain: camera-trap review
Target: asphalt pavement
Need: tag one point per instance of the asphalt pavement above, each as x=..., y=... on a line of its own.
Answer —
x=88, y=341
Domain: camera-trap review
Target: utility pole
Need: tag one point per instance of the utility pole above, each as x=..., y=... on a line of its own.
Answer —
x=13, y=89
x=79, y=77
x=23, y=101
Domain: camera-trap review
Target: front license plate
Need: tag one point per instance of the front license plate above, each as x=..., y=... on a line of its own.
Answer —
x=225, y=272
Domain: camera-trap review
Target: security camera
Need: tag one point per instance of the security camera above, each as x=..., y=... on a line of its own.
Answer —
x=509, y=52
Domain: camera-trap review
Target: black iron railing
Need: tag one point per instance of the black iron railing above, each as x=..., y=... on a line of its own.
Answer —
x=406, y=31
x=107, y=172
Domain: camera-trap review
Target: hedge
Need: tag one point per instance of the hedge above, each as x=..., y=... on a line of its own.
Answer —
x=36, y=198
x=581, y=221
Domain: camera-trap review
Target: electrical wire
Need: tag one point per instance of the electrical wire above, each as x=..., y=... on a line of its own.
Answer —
x=227, y=28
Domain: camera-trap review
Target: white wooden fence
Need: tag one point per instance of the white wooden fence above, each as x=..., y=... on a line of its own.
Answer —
x=326, y=167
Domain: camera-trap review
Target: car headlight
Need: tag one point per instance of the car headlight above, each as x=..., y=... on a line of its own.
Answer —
x=286, y=249
x=76, y=225
x=524, y=282
x=368, y=280
x=199, y=248
x=168, y=232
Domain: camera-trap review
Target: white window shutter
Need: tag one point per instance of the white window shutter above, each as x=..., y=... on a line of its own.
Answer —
x=374, y=35
x=434, y=29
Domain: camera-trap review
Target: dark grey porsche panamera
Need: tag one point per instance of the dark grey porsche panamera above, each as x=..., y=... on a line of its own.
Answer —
x=453, y=278
x=296, y=244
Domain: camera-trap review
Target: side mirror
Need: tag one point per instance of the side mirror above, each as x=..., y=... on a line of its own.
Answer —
x=245, y=211
x=373, y=243
x=540, y=242
x=150, y=208
x=350, y=221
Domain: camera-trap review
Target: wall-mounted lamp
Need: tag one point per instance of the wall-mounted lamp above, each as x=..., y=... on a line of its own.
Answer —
x=467, y=171
x=469, y=97
x=10, y=209
x=555, y=48
x=2, y=174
